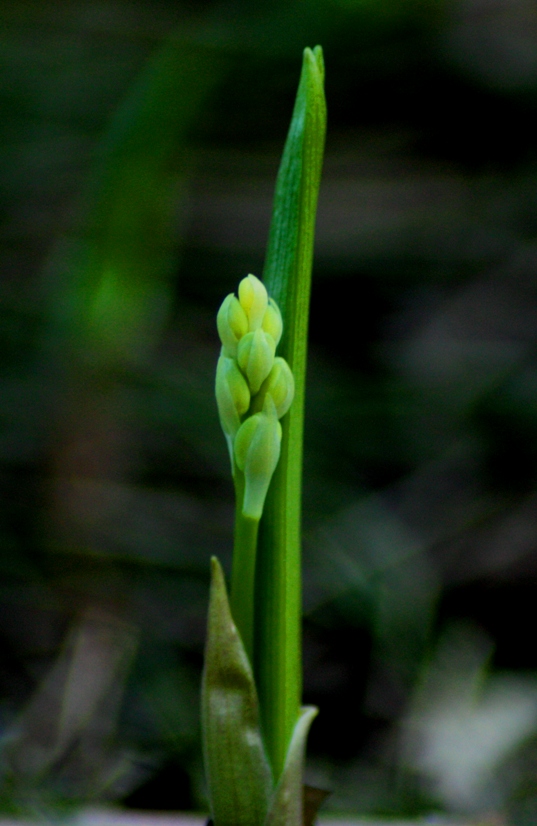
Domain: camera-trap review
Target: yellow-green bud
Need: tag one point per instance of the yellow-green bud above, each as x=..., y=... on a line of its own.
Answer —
x=232, y=398
x=272, y=321
x=255, y=355
x=254, y=301
x=232, y=323
x=257, y=450
x=281, y=386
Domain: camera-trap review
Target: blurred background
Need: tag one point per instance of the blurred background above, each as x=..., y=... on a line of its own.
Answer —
x=140, y=145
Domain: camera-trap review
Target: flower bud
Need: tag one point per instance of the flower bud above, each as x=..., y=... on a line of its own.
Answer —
x=254, y=300
x=232, y=398
x=272, y=321
x=257, y=450
x=281, y=386
x=255, y=355
x=232, y=323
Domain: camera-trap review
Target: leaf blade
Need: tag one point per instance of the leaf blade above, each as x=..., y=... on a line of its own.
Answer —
x=287, y=276
x=238, y=773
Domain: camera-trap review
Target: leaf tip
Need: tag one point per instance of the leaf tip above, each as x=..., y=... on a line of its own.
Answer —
x=313, y=59
x=217, y=574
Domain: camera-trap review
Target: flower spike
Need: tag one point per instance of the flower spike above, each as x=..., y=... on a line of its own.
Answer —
x=254, y=388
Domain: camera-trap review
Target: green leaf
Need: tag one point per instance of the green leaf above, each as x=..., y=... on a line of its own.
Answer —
x=287, y=277
x=287, y=803
x=238, y=773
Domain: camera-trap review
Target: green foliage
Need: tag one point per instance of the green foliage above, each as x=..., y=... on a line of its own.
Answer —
x=238, y=773
x=241, y=788
x=287, y=803
x=421, y=434
x=243, y=326
x=288, y=278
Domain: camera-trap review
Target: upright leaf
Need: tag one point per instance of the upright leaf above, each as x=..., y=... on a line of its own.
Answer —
x=287, y=277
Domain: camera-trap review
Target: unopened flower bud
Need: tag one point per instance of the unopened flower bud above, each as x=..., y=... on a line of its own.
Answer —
x=254, y=300
x=272, y=321
x=257, y=450
x=232, y=398
x=281, y=386
x=255, y=355
x=232, y=323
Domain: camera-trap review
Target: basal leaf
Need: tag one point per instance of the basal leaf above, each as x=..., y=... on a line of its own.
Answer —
x=238, y=774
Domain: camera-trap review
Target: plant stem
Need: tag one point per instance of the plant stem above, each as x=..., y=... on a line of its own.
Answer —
x=243, y=570
x=287, y=277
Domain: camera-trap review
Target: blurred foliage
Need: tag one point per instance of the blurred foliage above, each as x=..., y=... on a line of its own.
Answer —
x=140, y=143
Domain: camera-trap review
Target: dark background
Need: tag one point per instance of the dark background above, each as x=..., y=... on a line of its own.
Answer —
x=125, y=219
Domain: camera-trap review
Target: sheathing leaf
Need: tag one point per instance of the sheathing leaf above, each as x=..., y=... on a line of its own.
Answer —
x=239, y=778
x=287, y=803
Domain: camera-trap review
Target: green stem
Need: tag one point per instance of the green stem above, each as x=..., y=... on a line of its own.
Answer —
x=287, y=277
x=243, y=570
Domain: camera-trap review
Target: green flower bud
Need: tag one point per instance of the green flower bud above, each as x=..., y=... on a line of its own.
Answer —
x=255, y=355
x=254, y=300
x=232, y=323
x=257, y=450
x=272, y=321
x=281, y=386
x=232, y=398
